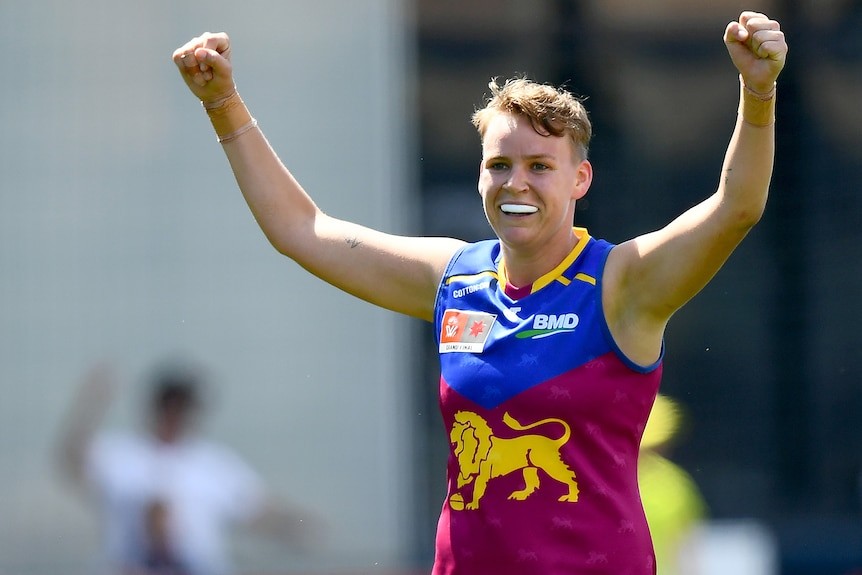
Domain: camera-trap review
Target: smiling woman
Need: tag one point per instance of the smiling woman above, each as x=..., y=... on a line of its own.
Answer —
x=530, y=181
x=550, y=340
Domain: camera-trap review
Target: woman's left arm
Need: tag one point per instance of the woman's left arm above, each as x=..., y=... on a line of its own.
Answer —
x=649, y=277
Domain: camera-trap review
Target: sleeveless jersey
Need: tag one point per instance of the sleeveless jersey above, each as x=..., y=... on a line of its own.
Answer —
x=544, y=416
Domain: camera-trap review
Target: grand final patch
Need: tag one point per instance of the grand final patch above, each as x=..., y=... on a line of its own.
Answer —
x=465, y=331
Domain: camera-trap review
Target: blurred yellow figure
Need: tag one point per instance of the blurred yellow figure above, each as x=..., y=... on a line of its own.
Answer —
x=672, y=501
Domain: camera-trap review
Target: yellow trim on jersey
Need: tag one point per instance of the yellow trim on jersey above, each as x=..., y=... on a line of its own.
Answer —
x=469, y=277
x=585, y=278
x=555, y=274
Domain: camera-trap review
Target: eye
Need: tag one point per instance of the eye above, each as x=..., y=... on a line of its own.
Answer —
x=496, y=166
x=540, y=167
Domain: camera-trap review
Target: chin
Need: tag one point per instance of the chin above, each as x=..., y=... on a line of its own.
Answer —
x=515, y=237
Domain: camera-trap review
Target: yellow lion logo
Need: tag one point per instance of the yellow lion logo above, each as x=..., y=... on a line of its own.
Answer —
x=482, y=457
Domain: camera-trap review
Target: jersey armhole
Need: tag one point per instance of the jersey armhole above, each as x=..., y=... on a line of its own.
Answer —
x=606, y=330
x=438, y=299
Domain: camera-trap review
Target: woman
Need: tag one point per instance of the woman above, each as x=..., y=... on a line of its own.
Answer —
x=550, y=341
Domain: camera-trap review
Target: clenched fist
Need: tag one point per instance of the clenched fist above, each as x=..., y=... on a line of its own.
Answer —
x=757, y=48
x=204, y=64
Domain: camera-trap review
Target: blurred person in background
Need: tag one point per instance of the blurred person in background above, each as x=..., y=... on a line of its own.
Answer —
x=551, y=341
x=167, y=497
x=672, y=500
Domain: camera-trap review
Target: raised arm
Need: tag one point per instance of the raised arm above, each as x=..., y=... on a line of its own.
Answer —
x=82, y=420
x=650, y=277
x=395, y=272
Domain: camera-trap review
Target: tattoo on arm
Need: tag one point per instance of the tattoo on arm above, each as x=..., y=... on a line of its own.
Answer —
x=353, y=242
x=727, y=176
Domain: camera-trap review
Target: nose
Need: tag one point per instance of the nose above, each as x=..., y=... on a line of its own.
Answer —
x=517, y=180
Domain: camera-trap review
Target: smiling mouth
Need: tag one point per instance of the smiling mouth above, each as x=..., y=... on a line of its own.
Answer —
x=518, y=209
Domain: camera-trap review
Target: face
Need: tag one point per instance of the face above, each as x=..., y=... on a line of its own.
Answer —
x=172, y=420
x=529, y=184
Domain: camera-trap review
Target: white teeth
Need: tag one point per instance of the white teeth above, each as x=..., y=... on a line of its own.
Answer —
x=518, y=209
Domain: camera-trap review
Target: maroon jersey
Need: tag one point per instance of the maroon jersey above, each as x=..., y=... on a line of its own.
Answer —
x=544, y=417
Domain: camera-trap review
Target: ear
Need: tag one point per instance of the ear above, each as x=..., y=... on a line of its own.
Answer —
x=583, y=179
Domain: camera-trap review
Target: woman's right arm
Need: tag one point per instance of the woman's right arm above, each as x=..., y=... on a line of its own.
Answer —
x=395, y=272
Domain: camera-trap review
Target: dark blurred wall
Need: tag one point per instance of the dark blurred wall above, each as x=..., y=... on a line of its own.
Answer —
x=766, y=358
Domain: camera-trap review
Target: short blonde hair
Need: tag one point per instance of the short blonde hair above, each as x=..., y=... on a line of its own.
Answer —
x=552, y=111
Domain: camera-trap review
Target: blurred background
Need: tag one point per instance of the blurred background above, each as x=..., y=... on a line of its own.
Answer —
x=123, y=239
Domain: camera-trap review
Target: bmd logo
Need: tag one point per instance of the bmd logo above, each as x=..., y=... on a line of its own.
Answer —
x=551, y=324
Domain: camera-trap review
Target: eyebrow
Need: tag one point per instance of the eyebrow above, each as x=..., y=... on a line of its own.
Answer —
x=527, y=157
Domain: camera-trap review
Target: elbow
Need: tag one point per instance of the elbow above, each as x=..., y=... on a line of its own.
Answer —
x=748, y=218
x=752, y=215
x=291, y=236
x=286, y=244
x=69, y=464
x=291, y=239
x=746, y=214
x=278, y=244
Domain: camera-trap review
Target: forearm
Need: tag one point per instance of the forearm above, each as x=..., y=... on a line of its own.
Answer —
x=394, y=272
x=77, y=434
x=747, y=169
x=72, y=451
x=277, y=201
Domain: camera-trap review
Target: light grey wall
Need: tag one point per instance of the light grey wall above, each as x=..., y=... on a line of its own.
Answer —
x=123, y=237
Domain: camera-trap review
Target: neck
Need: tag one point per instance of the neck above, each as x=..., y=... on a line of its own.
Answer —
x=524, y=268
